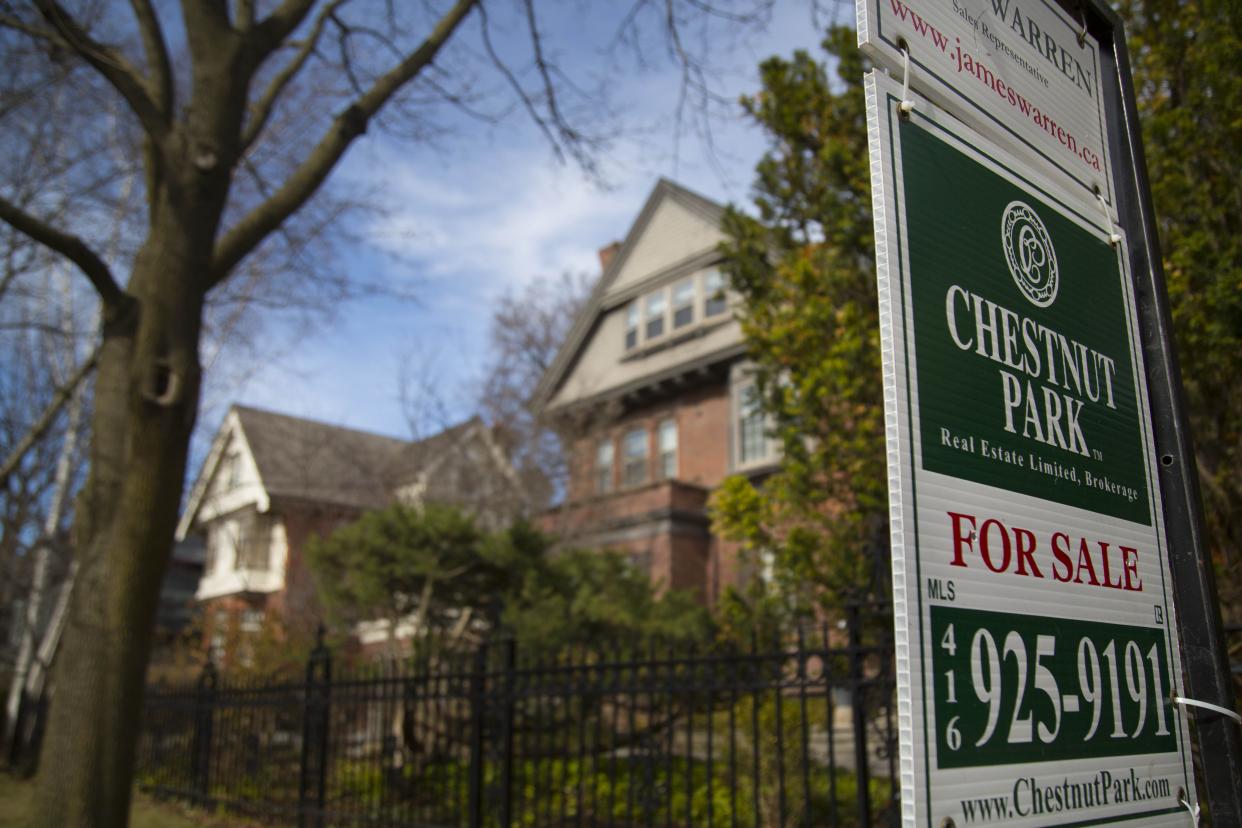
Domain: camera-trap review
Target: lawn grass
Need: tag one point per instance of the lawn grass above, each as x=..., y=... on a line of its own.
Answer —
x=17, y=810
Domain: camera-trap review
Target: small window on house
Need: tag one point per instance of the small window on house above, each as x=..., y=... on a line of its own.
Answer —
x=254, y=542
x=251, y=620
x=635, y=470
x=655, y=314
x=683, y=303
x=714, y=301
x=753, y=444
x=668, y=448
x=603, y=467
x=631, y=326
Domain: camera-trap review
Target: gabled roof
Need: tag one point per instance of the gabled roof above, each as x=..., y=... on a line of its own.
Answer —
x=307, y=460
x=709, y=210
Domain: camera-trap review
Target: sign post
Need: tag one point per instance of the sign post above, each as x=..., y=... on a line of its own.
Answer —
x=1042, y=487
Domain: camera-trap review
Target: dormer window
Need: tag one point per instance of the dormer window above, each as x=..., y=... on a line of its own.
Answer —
x=683, y=303
x=655, y=314
x=714, y=301
x=663, y=315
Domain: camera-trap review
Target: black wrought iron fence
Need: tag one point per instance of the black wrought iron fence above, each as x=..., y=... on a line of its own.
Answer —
x=795, y=731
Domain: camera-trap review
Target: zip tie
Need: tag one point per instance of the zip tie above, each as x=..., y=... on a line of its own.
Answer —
x=1215, y=708
x=1113, y=237
x=1082, y=35
x=907, y=104
x=1194, y=811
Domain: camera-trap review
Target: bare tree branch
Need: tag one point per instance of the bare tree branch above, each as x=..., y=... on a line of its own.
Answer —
x=261, y=110
x=19, y=25
x=36, y=432
x=111, y=64
x=69, y=246
x=345, y=128
x=273, y=29
x=156, y=49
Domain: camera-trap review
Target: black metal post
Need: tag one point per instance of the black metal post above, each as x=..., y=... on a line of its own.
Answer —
x=507, y=704
x=862, y=770
x=478, y=710
x=1205, y=666
x=200, y=748
x=312, y=780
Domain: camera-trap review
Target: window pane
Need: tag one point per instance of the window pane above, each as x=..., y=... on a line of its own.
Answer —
x=631, y=325
x=683, y=303
x=635, y=470
x=683, y=293
x=603, y=467
x=714, y=293
x=655, y=314
x=254, y=543
x=668, y=448
x=752, y=441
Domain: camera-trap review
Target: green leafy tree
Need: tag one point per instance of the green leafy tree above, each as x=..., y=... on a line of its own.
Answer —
x=436, y=568
x=402, y=562
x=593, y=599
x=804, y=270
x=1184, y=59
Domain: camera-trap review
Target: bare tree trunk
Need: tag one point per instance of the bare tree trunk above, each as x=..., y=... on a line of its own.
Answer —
x=146, y=400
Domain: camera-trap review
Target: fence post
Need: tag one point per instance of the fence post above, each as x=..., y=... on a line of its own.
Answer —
x=506, y=733
x=314, y=767
x=478, y=710
x=204, y=721
x=862, y=770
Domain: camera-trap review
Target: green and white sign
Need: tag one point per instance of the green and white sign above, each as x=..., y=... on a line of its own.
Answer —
x=1036, y=644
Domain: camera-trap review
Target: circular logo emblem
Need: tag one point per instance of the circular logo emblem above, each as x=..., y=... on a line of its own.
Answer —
x=1028, y=250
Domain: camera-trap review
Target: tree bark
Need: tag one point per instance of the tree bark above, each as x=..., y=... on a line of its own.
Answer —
x=146, y=401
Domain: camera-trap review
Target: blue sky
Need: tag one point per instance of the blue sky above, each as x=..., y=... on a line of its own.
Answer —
x=481, y=214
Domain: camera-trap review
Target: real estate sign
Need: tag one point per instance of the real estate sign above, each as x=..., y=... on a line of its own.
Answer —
x=1015, y=69
x=1036, y=644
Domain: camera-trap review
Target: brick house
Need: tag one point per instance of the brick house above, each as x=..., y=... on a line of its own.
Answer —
x=655, y=390
x=271, y=481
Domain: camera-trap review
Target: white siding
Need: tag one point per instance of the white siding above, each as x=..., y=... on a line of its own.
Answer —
x=673, y=235
x=601, y=367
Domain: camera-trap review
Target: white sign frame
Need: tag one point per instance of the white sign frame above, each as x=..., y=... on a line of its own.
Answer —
x=1015, y=94
x=930, y=794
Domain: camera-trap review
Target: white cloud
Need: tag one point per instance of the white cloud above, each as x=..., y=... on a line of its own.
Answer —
x=499, y=217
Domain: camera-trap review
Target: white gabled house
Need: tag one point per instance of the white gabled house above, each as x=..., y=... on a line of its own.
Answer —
x=271, y=481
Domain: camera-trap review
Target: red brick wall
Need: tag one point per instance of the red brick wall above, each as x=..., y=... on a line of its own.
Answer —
x=703, y=422
x=703, y=415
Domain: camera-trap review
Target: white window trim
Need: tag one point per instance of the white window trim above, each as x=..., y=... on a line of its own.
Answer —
x=609, y=480
x=698, y=309
x=676, y=451
x=626, y=459
x=740, y=386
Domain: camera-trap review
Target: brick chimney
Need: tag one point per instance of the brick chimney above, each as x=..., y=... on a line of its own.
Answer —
x=606, y=254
